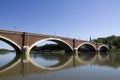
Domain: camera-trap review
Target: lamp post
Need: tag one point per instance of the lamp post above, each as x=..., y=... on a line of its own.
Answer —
x=14, y=28
x=54, y=34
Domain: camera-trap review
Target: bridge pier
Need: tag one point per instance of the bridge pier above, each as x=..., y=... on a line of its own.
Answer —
x=75, y=51
x=25, y=54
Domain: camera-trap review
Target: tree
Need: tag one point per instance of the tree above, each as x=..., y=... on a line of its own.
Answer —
x=112, y=40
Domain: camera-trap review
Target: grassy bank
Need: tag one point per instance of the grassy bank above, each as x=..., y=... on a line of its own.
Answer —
x=114, y=51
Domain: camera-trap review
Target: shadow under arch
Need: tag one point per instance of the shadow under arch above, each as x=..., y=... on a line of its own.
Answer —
x=64, y=44
x=87, y=47
x=103, y=48
x=11, y=43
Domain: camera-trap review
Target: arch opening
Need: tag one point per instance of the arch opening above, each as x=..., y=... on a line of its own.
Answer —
x=64, y=46
x=57, y=44
x=103, y=49
x=53, y=52
x=9, y=51
x=15, y=46
x=7, y=54
x=86, y=48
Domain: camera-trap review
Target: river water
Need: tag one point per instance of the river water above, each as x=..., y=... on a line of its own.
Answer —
x=60, y=67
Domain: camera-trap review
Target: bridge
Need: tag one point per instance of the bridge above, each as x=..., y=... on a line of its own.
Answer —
x=23, y=42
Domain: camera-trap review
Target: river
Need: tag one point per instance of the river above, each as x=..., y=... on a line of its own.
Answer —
x=60, y=67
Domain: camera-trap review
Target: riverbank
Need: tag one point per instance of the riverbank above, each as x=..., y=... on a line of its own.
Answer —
x=114, y=51
x=5, y=51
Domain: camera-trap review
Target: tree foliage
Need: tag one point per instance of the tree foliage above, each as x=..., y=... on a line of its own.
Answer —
x=51, y=47
x=113, y=40
x=48, y=47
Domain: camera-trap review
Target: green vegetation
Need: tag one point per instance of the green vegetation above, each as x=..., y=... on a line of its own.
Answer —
x=3, y=51
x=111, y=40
x=48, y=47
x=114, y=50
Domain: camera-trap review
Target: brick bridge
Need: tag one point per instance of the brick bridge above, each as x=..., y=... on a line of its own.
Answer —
x=23, y=42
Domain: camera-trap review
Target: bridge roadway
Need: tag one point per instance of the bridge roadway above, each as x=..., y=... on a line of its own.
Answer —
x=17, y=67
x=23, y=42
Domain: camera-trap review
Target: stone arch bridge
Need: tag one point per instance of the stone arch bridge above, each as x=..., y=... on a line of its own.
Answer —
x=24, y=41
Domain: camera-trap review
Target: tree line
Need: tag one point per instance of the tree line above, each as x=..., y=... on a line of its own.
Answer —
x=48, y=47
x=111, y=40
x=2, y=51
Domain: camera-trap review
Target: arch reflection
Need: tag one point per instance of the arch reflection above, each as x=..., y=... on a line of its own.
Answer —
x=86, y=58
x=12, y=62
x=6, y=57
x=93, y=58
x=49, y=61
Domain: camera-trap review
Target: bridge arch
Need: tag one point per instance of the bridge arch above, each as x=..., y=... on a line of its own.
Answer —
x=57, y=40
x=11, y=43
x=88, y=45
x=103, y=48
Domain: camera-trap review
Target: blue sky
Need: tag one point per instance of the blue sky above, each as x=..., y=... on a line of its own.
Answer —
x=73, y=18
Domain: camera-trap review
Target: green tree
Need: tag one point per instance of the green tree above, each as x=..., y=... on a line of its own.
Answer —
x=113, y=40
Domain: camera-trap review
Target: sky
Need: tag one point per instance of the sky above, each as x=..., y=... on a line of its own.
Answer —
x=68, y=18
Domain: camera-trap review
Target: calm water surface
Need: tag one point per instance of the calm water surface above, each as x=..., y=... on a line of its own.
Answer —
x=6, y=58
x=61, y=67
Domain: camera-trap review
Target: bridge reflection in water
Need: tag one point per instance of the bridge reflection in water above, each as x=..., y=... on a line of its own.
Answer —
x=18, y=68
